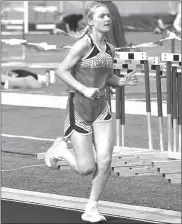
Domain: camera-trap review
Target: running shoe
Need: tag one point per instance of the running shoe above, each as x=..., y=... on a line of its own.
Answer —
x=53, y=154
x=92, y=215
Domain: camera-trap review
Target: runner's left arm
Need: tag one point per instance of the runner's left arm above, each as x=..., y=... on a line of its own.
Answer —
x=128, y=80
x=114, y=80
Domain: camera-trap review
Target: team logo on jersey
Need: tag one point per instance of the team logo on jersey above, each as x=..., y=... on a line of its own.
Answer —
x=108, y=63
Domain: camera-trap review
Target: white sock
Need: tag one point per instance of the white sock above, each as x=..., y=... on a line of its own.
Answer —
x=91, y=204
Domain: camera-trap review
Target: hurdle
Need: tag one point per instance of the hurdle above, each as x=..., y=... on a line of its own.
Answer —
x=173, y=70
x=159, y=163
x=9, y=25
x=171, y=168
x=19, y=51
x=48, y=78
x=139, y=61
x=155, y=64
x=161, y=66
x=119, y=112
x=15, y=26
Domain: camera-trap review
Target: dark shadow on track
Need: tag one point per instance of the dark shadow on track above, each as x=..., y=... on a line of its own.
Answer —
x=17, y=212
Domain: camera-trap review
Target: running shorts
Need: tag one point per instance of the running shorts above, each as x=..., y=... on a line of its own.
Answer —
x=82, y=113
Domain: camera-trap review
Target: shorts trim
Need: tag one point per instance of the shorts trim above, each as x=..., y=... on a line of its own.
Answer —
x=101, y=121
x=74, y=122
x=105, y=115
x=73, y=130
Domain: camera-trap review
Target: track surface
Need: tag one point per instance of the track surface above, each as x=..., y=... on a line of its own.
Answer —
x=16, y=212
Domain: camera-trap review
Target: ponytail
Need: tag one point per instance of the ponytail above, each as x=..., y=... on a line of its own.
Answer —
x=89, y=11
x=81, y=33
x=89, y=16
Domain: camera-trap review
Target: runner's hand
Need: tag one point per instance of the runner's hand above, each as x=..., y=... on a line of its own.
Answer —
x=131, y=79
x=91, y=93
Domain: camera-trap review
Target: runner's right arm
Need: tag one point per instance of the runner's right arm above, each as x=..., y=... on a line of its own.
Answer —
x=79, y=49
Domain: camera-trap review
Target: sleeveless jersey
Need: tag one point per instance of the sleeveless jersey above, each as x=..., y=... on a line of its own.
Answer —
x=94, y=69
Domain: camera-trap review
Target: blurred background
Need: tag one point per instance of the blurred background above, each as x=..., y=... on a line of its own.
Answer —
x=35, y=21
x=135, y=13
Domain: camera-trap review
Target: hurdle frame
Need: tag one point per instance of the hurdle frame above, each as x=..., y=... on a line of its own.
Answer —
x=142, y=57
x=170, y=64
x=21, y=25
x=174, y=110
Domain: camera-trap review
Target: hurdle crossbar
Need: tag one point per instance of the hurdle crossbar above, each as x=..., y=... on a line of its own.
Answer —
x=120, y=56
x=142, y=57
x=172, y=57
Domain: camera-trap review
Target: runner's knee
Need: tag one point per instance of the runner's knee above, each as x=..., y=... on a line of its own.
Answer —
x=86, y=169
x=104, y=163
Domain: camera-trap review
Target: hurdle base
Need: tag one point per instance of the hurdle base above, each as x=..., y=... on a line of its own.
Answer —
x=40, y=155
x=134, y=171
x=118, y=151
x=169, y=169
x=174, y=180
x=122, y=151
x=174, y=155
x=126, y=151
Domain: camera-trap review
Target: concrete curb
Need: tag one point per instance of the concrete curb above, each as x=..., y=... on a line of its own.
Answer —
x=153, y=215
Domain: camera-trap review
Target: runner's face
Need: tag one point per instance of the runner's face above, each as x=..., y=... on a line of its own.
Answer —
x=101, y=19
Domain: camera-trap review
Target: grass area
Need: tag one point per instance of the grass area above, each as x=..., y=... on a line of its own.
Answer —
x=151, y=191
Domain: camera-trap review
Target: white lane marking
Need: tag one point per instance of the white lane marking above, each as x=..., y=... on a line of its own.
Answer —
x=32, y=100
x=28, y=137
x=23, y=167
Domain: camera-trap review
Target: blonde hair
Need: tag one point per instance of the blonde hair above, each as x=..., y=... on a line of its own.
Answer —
x=89, y=12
